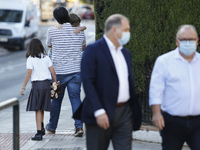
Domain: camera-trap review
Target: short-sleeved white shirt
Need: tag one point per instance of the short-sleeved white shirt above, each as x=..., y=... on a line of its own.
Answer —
x=39, y=67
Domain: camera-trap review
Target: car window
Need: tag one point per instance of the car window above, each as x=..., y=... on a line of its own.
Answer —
x=10, y=15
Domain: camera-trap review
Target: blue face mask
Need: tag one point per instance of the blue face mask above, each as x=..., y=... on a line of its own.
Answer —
x=125, y=38
x=187, y=47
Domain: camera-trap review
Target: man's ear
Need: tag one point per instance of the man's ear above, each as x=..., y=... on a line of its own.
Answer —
x=197, y=41
x=114, y=29
x=177, y=42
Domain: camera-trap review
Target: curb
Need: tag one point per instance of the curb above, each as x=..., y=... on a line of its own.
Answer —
x=147, y=133
x=149, y=128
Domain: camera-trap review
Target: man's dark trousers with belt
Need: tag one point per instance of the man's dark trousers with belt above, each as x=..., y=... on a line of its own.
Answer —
x=101, y=85
x=178, y=130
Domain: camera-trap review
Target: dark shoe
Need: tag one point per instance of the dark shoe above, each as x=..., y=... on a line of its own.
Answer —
x=37, y=137
x=49, y=130
x=79, y=132
x=43, y=131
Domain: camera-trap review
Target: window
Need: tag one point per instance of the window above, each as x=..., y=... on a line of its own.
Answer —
x=10, y=15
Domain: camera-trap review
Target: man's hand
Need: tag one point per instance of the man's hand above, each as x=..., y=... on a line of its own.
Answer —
x=158, y=121
x=157, y=118
x=103, y=121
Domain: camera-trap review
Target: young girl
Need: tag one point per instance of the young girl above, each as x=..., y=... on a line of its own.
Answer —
x=39, y=67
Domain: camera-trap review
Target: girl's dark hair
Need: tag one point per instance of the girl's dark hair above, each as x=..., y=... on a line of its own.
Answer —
x=61, y=15
x=35, y=48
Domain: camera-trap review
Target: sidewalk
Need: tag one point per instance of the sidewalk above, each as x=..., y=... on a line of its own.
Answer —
x=63, y=139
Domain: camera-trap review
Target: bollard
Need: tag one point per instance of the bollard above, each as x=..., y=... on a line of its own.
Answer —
x=16, y=127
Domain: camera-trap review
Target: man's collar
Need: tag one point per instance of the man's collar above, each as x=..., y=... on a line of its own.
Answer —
x=177, y=54
x=110, y=43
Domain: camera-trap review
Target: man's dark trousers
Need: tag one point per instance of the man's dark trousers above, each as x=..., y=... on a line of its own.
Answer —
x=178, y=130
x=101, y=86
x=120, y=132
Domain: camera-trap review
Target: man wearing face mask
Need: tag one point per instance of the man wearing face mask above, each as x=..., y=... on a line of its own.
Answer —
x=111, y=110
x=175, y=92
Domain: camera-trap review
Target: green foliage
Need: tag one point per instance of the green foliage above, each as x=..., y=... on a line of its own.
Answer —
x=154, y=24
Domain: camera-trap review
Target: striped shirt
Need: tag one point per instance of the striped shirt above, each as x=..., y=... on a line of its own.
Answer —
x=66, y=48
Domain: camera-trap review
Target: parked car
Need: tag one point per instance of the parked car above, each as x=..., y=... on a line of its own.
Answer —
x=88, y=14
x=85, y=12
x=18, y=23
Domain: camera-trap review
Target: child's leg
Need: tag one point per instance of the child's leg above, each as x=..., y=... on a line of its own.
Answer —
x=42, y=124
x=42, y=116
x=39, y=119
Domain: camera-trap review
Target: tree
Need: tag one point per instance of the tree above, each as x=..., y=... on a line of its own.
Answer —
x=154, y=24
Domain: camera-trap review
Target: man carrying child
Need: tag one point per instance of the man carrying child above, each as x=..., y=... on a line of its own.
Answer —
x=67, y=48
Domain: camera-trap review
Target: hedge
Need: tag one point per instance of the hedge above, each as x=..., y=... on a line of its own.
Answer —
x=154, y=24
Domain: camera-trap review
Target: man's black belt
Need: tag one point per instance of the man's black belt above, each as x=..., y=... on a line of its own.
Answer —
x=183, y=117
x=121, y=104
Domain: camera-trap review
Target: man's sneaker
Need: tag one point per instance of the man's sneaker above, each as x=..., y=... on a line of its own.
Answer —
x=79, y=132
x=49, y=130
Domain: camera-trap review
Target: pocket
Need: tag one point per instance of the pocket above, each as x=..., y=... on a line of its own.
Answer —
x=77, y=78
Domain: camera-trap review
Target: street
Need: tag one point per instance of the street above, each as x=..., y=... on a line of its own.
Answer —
x=13, y=63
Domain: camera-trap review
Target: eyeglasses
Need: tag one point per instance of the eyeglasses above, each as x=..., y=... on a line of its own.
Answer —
x=190, y=40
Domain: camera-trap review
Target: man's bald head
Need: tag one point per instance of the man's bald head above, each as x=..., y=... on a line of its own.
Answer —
x=114, y=21
x=183, y=28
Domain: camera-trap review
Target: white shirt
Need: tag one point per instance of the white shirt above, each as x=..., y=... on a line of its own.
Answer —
x=122, y=73
x=39, y=67
x=175, y=84
x=66, y=48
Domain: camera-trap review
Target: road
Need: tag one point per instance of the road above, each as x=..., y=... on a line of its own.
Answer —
x=13, y=63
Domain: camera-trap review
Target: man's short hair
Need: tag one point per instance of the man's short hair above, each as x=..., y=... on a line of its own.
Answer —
x=186, y=26
x=74, y=19
x=61, y=15
x=113, y=21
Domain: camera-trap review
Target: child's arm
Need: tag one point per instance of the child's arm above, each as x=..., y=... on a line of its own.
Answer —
x=27, y=77
x=79, y=29
x=53, y=73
